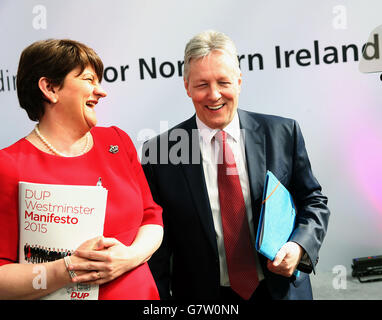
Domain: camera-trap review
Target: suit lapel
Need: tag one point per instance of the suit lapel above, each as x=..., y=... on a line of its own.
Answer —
x=254, y=138
x=195, y=177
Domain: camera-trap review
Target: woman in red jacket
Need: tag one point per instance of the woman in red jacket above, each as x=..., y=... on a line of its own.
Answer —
x=58, y=84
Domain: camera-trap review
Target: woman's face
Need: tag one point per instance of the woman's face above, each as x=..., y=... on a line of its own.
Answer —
x=79, y=96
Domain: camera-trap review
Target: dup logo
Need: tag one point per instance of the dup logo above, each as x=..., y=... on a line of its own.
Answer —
x=77, y=295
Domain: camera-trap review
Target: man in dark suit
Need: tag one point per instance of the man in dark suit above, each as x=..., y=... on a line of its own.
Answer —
x=205, y=253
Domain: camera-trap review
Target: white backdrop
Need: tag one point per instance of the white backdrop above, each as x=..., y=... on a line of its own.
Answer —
x=339, y=108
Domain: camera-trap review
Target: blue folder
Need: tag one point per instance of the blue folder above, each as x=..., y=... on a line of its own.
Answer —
x=277, y=218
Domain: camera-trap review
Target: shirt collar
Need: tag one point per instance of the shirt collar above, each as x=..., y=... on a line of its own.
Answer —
x=207, y=133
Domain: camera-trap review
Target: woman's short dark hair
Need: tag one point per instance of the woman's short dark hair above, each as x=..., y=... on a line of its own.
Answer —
x=53, y=59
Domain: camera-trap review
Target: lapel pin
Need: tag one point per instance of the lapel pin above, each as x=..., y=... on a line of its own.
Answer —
x=113, y=149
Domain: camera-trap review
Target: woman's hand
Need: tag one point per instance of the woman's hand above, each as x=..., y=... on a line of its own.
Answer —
x=104, y=259
x=91, y=244
x=108, y=258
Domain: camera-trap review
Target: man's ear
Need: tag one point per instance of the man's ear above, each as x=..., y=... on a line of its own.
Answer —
x=239, y=81
x=49, y=91
x=186, y=84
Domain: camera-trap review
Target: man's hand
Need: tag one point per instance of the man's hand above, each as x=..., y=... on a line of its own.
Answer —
x=286, y=259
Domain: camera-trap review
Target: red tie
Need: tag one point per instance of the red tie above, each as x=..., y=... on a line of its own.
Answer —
x=239, y=252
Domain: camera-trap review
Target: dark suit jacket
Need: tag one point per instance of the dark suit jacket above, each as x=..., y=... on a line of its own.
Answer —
x=187, y=262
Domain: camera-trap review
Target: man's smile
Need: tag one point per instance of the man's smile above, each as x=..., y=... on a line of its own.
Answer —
x=216, y=107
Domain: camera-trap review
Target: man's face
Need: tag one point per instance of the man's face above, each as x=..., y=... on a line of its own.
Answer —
x=214, y=85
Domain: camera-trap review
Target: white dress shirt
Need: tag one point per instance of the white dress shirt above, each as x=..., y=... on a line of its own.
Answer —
x=209, y=148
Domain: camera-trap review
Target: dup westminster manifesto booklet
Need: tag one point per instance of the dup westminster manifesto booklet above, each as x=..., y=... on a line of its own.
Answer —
x=54, y=221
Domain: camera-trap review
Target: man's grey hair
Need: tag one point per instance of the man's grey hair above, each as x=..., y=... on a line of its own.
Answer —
x=204, y=43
